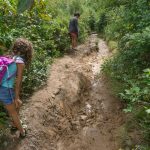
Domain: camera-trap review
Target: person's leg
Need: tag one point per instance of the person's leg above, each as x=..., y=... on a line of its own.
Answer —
x=13, y=126
x=17, y=109
x=75, y=41
x=13, y=113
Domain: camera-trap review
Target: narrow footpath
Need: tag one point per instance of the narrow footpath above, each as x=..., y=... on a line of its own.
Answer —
x=76, y=110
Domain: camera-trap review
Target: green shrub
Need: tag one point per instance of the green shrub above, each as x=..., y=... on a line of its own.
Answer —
x=46, y=26
x=101, y=23
x=3, y=117
x=128, y=23
x=112, y=45
x=37, y=74
x=138, y=90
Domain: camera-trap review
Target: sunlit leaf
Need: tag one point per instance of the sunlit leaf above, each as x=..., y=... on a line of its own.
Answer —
x=148, y=111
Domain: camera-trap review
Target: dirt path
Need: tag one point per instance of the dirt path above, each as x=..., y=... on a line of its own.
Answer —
x=76, y=110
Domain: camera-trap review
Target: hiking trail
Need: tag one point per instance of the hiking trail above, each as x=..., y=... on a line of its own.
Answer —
x=76, y=110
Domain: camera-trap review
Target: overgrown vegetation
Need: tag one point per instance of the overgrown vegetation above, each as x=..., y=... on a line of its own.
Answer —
x=45, y=24
x=127, y=23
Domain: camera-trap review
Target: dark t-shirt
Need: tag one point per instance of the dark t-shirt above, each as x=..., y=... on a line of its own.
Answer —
x=73, y=25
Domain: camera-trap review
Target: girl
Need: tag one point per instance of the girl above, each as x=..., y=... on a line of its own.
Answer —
x=9, y=95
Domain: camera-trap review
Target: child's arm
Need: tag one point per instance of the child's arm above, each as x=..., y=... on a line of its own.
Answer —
x=20, y=69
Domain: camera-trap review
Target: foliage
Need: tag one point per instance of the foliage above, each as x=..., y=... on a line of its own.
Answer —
x=36, y=75
x=3, y=116
x=128, y=23
x=138, y=91
x=45, y=24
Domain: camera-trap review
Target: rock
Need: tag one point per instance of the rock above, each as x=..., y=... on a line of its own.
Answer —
x=66, y=66
x=83, y=117
x=57, y=91
x=53, y=96
x=129, y=142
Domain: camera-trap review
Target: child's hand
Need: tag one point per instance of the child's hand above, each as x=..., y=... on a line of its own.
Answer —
x=18, y=103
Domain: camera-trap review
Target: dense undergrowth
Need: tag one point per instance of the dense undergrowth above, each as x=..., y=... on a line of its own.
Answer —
x=45, y=24
x=126, y=27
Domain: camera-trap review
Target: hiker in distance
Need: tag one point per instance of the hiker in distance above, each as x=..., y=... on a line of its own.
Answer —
x=11, y=74
x=74, y=30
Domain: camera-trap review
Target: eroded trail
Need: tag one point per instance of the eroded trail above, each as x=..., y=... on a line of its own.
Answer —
x=76, y=110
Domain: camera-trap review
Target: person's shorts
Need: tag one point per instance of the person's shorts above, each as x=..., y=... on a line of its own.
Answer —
x=73, y=34
x=7, y=95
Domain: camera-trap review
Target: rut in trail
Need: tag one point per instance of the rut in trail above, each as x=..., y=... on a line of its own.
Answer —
x=76, y=110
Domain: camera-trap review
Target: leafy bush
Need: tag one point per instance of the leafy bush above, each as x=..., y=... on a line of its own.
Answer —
x=3, y=116
x=46, y=26
x=128, y=23
x=37, y=74
x=138, y=90
x=101, y=23
x=112, y=45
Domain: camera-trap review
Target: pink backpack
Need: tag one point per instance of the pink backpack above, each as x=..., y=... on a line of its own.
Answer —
x=4, y=63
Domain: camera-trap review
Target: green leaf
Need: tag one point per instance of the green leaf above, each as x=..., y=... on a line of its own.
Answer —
x=24, y=5
x=136, y=89
x=148, y=111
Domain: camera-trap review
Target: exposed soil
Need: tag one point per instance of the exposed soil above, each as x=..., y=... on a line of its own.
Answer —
x=76, y=110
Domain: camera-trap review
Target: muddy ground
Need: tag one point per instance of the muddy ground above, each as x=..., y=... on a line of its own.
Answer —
x=76, y=110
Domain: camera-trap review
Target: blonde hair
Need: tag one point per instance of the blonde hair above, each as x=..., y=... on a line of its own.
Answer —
x=24, y=49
